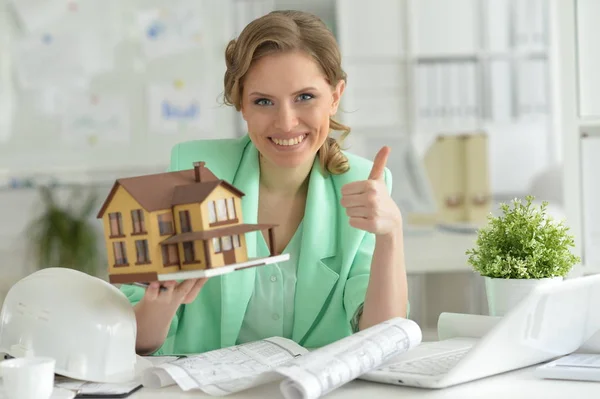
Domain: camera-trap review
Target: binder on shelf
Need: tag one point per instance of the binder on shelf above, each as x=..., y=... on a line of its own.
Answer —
x=497, y=23
x=477, y=181
x=447, y=96
x=500, y=95
x=457, y=167
x=445, y=165
x=455, y=111
x=540, y=83
x=424, y=94
x=530, y=24
x=434, y=99
x=539, y=36
x=472, y=91
x=532, y=87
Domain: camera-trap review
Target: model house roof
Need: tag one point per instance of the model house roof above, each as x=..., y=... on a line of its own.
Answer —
x=163, y=190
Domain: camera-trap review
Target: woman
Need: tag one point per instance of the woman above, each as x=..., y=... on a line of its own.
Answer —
x=334, y=212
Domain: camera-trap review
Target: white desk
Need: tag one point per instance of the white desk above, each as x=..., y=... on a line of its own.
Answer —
x=515, y=385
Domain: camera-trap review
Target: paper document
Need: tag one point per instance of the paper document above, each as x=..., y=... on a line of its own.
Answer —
x=114, y=390
x=97, y=389
x=303, y=374
x=175, y=108
x=574, y=367
x=171, y=29
x=340, y=362
x=34, y=15
x=579, y=360
x=227, y=370
x=48, y=59
x=90, y=119
x=71, y=47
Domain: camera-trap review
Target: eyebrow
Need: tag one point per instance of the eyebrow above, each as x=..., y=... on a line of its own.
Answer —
x=256, y=93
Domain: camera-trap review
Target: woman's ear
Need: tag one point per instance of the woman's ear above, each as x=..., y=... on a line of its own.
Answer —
x=337, y=96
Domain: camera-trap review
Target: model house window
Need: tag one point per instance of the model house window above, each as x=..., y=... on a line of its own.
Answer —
x=141, y=248
x=116, y=224
x=221, y=210
x=216, y=245
x=137, y=218
x=226, y=241
x=165, y=224
x=184, y=220
x=236, y=241
x=188, y=252
x=170, y=254
x=120, y=252
x=212, y=212
x=231, y=208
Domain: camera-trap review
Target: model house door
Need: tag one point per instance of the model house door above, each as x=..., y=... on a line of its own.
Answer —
x=228, y=251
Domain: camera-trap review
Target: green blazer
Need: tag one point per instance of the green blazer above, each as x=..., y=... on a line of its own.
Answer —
x=333, y=267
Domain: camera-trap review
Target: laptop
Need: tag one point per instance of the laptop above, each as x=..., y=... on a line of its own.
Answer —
x=552, y=321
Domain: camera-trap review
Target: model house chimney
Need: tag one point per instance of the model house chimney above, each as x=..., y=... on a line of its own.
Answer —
x=197, y=171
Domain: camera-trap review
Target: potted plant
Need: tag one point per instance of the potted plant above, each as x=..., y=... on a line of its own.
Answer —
x=64, y=234
x=519, y=250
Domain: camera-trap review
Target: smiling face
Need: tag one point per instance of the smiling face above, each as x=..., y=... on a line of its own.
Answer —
x=287, y=103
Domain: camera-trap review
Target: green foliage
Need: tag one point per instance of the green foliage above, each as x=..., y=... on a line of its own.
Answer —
x=64, y=236
x=523, y=243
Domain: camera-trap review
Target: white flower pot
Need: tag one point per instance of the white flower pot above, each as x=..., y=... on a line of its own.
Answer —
x=504, y=294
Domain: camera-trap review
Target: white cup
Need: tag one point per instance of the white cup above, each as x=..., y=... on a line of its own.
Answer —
x=28, y=377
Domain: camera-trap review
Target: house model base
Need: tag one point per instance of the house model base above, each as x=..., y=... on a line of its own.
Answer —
x=178, y=225
x=185, y=275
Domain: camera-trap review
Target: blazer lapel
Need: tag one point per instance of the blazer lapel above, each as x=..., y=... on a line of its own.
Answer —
x=237, y=288
x=315, y=278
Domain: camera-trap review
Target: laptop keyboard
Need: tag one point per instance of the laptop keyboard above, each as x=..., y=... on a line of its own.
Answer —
x=431, y=365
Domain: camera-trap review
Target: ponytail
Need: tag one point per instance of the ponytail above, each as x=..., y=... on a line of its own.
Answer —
x=331, y=157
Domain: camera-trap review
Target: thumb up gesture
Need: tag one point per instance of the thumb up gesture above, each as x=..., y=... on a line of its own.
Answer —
x=368, y=203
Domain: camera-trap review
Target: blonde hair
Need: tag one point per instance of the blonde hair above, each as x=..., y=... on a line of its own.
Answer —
x=281, y=31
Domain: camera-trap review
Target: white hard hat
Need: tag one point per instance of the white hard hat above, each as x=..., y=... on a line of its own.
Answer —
x=83, y=322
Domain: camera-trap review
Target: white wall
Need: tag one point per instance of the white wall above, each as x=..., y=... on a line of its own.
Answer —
x=37, y=142
x=325, y=9
x=521, y=148
x=17, y=203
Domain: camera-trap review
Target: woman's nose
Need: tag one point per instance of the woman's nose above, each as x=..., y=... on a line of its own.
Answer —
x=286, y=119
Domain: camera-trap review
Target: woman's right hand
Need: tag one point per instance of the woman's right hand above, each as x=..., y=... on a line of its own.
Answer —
x=175, y=293
x=157, y=308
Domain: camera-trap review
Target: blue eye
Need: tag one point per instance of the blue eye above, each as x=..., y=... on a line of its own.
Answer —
x=263, y=101
x=305, y=97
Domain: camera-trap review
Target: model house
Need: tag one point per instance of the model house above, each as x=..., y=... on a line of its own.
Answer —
x=174, y=221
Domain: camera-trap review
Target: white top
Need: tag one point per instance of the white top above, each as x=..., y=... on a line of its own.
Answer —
x=270, y=311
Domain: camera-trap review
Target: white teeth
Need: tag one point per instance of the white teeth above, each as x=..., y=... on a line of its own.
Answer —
x=288, y=142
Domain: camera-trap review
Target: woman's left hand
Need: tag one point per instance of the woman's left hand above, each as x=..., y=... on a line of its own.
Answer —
x=368, y=203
